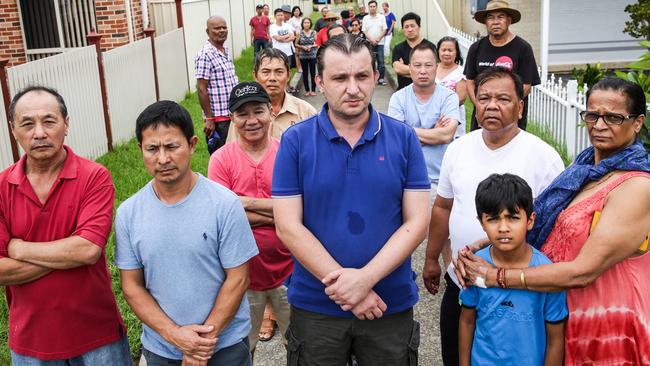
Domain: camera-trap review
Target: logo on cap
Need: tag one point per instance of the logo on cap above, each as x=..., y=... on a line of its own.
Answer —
x=248, y=89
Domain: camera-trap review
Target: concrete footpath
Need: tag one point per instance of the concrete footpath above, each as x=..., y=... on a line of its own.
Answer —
x=272, y=353
x=427, y=310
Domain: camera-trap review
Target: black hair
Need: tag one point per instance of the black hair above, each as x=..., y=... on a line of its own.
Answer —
x=459, y=58
x=334, y=26
x=500, y=192
x=346, y=43
x=636, y=102
x=270, y=53
x=168, y=114
x=278, y=10
x=37, y=88
x=294, y=9
x=345, y=14
x=372, y=1
x=306, y=19
x=411, y=16
x=423, y=46
x=498, y=72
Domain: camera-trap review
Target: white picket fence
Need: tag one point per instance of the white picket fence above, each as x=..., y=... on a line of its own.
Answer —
x=555, y=107
x=552, y=105
x=130, y=86
x=74, y=75
x=170, y=57
x=6, y=158
x=129, y=82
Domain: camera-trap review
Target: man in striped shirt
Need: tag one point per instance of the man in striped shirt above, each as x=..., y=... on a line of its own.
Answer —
x=215, y=78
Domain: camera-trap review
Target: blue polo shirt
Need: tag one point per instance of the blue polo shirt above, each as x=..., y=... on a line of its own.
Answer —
x=352, y=200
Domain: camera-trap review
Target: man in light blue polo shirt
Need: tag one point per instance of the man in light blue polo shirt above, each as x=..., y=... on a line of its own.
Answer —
x=350, y=192
x=429, y=108
x=182, y=244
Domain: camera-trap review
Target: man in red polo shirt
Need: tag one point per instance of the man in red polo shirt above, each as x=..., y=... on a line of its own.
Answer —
x=245, y=166
x=55, y=216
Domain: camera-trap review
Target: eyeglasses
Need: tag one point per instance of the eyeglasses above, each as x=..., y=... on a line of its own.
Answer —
x=609, y=118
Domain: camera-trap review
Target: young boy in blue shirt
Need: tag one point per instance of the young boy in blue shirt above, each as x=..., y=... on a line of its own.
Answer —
x=501, y=326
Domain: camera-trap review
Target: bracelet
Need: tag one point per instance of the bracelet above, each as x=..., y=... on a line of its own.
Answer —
x=501, y=277
x=522, y=278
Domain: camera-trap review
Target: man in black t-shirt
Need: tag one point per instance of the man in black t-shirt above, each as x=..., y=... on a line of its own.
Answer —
x=401, y=51
x=501, y=48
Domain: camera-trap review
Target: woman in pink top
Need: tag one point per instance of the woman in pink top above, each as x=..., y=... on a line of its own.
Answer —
x=592, y=221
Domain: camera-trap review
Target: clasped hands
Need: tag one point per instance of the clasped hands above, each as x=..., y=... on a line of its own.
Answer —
x=351, y=289
x=197, y=342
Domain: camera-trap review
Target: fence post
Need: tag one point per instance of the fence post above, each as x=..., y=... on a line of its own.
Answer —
x=571, y=122
x=149, y=33
x=5, y=98
x=94, y=38
x=179, y=13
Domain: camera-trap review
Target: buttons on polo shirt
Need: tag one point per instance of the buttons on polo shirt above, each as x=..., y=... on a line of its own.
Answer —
x=353, y=163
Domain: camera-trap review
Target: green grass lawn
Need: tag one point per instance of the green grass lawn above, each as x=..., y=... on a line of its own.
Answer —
x=129, y=175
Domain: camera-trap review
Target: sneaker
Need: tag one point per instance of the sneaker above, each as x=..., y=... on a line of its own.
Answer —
x=382, y=82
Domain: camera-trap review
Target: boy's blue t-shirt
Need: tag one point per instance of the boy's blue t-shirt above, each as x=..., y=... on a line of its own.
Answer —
x=510, y=324
x=183, y=249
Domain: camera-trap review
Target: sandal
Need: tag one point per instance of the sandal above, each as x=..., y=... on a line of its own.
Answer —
x=267, y=330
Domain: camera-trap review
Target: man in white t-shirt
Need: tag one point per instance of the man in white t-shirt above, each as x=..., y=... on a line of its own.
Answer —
x=282, y=34
x=499, y=147
x=374, y=27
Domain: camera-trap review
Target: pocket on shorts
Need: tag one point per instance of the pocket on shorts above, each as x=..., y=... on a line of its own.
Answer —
x=294, y=346
x=414, y=344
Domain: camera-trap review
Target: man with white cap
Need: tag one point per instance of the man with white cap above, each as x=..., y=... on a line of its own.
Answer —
x=501, y=48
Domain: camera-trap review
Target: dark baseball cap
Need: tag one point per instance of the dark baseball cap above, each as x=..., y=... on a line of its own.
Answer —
x=247, y=92
x=286, y=8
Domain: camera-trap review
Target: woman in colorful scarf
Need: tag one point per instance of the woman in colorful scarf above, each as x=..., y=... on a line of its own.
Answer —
x=593, y=222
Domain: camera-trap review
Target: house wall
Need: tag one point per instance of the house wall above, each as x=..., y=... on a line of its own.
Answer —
x=112, y=23
x=138, y=22
x=11, y=38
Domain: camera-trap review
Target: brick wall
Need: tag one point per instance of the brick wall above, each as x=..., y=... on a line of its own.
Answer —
x=11, y=39
x=112, y=23
x=528, y=27
x=138, y=25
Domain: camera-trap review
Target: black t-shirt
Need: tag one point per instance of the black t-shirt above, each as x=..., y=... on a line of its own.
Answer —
x=403, y=50
x=320, y=24
x=360, y=16
x=516, y=56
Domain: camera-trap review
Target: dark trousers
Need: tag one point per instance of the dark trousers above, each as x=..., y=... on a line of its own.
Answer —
x=449, y=319
x=218, y=138
x=322, y=340
x=379, y=55
x=239, y=354
x=258, y=45
x=308, y=73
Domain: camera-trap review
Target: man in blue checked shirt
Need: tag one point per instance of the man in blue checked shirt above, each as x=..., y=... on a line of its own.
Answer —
x=351, y=194
x=215, y=78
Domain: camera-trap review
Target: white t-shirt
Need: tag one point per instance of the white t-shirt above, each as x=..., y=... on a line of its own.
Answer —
x=374, y=27
x=275, y=30
x=468, y=161
x=295, y=23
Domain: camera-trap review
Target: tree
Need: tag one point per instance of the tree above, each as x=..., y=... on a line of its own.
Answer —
x=639, y=24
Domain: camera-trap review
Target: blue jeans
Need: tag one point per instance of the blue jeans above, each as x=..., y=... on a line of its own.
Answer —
x=117, y=353
x=258, y=45
x=239, y=354
x=379, y=54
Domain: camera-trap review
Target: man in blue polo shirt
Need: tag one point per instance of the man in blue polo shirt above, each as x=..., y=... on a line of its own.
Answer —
x=350, y=191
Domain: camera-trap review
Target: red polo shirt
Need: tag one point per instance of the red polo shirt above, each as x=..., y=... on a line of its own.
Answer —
x=231, y=167
x=67, y=312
